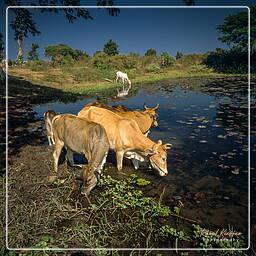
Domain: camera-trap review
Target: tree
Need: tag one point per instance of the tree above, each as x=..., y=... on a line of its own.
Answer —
x=32, y=54
x=110, y=48
x=1, y=47
x=150, y=52
x=59, y=52
x=235, y=28
x=23, y=24
x=178, y=55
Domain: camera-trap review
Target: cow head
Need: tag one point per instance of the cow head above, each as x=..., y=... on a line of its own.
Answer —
x=152, y=113
x=158, y=157
x=89, y=177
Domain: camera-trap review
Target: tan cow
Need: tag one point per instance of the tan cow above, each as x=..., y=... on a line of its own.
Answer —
x=145, y=119
x=82, y=137
x=125, y=137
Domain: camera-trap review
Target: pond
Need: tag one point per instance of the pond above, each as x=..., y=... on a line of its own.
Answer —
x=207, y=123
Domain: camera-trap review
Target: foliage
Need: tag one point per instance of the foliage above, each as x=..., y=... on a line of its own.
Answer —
x=167, y=231
x=178, y=55
x=32, y=54
x=38, y=65
x=231, y=61
x=150, y=52
x=111, y=48
x=154, y=68
x=22, y=22
x=235, y=28
x=168, y=60
x=125, y=196
x=62, y=53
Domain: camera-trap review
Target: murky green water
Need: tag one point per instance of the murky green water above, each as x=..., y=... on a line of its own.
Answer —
x=208, y=165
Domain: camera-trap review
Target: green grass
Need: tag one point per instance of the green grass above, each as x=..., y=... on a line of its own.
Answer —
x=87, y=76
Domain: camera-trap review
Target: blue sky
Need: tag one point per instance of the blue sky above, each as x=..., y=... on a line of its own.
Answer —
x=189, y=30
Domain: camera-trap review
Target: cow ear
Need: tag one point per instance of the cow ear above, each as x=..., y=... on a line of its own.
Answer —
x=149, y=152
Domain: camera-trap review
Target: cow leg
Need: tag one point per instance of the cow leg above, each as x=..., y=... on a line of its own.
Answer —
x=119, y=159
x=116, y=79
x=56, y=154
x=69, y=157
x=135, y=163
x=52, y=138
x=49, y=140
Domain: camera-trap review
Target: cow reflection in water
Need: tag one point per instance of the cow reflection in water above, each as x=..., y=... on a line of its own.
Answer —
x=83, y=137
x=124, y=92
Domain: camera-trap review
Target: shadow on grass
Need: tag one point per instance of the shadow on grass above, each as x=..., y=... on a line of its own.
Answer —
x=22, y=96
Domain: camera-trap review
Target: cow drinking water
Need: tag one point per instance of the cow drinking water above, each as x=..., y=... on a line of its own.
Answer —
x=123, y=77
x=125, y=138
x=83, y=137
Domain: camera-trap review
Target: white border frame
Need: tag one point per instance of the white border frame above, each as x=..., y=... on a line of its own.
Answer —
x=130, y=249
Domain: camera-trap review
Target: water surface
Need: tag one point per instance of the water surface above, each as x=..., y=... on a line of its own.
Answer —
x=208, y=164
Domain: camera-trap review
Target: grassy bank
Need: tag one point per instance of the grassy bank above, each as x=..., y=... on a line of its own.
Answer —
x=120, y=213
x=88, y=75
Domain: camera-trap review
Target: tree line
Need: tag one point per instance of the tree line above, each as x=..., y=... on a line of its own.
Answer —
x=62, y=52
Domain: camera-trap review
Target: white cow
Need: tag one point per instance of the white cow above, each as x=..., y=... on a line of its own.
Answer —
x=123, y=76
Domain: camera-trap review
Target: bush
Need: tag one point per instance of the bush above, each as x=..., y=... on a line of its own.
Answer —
x=153, y=68
x=234, y=60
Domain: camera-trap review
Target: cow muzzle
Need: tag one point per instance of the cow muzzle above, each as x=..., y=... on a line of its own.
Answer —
x=161, y=171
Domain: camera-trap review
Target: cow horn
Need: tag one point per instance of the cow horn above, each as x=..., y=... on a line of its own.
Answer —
x=168, y=146
x=145, y=107
x=156, y=107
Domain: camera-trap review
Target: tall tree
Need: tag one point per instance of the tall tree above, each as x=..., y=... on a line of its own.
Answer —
x=111, y=48
x=23, y=24
x=235, y=29
x=32, y=54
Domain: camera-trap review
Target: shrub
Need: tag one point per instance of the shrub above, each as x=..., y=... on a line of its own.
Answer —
x=38, y=65
x=153, y=68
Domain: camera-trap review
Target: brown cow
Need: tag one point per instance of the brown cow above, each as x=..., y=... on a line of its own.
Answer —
x=82, y=137
x=125, y=137
x=145, y=119
x=48, y=116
